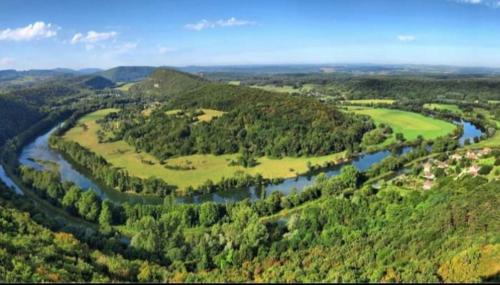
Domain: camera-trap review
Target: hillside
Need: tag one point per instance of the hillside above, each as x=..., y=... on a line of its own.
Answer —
x=95, y=82
x=165, y=82
x=127, y=73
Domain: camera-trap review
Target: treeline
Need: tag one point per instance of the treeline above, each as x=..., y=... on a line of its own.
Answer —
x=113, y=177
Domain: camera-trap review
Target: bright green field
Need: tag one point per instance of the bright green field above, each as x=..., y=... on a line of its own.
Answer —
x=408, y=123
x=449, y=107
x=120, y=154
x=372, y=101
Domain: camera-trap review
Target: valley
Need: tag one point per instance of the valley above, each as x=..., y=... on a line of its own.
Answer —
x=138, y=163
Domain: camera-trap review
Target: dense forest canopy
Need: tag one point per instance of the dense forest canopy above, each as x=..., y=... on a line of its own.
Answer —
x=260, y=122
x=396, y=86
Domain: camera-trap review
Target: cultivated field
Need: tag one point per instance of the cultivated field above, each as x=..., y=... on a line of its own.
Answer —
x=408, y=123
x=121, y=154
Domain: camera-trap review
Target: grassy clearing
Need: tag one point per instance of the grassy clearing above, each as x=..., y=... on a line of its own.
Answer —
x=372, y=101
x=487, y=114
x=448, y=107
x=409, y=124
x=492, y=142
x=274, y=88
x=125, y=86
x=209, y=114
x=121, y=154
x=237, y=83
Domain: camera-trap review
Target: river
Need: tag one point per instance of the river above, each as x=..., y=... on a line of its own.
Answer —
x=39, y=155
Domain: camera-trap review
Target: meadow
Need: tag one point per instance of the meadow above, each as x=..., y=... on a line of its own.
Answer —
x=203, y=167
x=409, y=124
x=280, y=89
x=448, y=107
x=372, y=101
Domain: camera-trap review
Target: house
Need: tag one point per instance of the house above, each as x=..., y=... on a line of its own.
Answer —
x=484, y=151
x=474, y=170
x=441, y=164
x=428, y=170
x=471, y=155
x=427, y=185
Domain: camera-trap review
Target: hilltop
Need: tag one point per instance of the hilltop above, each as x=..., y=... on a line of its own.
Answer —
x=127, y=73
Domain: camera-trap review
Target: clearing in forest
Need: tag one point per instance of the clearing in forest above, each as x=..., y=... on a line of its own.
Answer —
x=449, y=107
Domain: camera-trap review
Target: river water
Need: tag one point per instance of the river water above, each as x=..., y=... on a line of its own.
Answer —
x=38, y=153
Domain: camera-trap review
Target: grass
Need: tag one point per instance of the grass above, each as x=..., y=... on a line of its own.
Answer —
x=125, y=86
x=493, y=142
x=372, y=101
x=449, y=107
x=487, y=114
x=212, y=167
x=409, y=124
x=209, y=114
x=274, y=88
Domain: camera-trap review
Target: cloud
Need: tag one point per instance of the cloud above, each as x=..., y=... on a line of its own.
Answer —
x=406, y=38
x=93, y=37
x=164, y=50
x=37, y=30
x=125, y=48
x=6, y=62
x=489, y=3
x=205, y=24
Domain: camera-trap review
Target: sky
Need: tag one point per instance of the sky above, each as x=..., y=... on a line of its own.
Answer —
x=104, y=34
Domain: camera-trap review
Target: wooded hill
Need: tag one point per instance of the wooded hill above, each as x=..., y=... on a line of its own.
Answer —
x=127, y=73
x=257, y=121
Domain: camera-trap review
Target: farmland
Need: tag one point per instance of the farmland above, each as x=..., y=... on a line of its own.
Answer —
x=201, y=167
x=409, y=124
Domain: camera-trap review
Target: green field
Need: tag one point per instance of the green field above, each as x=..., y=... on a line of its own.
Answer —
x=120, y=154
x=408, y=123
x=372, y=101
x=274, y=88
x=448, y=107
x=125, y=86
x=493, y=142
x=209, y=114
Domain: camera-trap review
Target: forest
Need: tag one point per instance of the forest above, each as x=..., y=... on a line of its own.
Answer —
x=357, y=226
x=257, y=122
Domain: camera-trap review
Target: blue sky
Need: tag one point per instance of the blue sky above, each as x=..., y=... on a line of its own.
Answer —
x=90, y=33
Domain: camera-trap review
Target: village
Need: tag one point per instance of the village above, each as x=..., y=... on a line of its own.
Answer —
x=474, y=162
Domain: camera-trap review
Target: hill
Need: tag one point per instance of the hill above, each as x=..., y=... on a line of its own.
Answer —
x=165, y=82
x=127, y=73
x=95, y=82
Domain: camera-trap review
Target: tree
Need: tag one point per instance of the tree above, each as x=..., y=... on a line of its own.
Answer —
x=209, y=214
x=88, y=205
x=71, y=198
x=148, y=238
x=400, y=137
x=106, y=216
